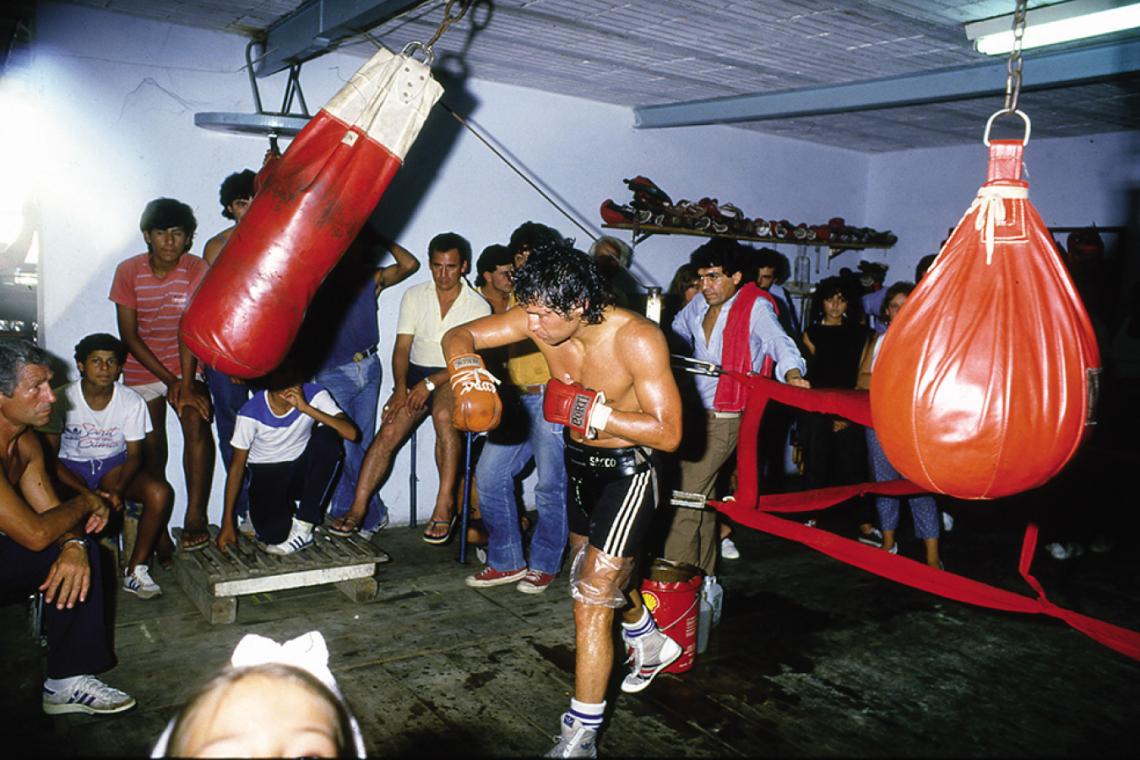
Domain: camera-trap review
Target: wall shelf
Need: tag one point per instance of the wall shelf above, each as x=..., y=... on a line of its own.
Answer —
x=641, y=232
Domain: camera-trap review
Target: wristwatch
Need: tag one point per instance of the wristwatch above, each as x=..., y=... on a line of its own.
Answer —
x=429, y=385
x=74, y=540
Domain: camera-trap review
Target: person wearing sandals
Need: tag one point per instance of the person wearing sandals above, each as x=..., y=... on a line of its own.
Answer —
x=287, y=447
x=341, y=342
x=150, y=291
x=43, y=543
x=923, y=509
x=98, y=429
x=419, y=374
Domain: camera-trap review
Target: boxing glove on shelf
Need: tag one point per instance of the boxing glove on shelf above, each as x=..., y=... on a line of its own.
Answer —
x=576, y=406
x=476, y=407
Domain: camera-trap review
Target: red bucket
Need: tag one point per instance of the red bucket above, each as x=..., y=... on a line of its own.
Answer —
x=671, y=594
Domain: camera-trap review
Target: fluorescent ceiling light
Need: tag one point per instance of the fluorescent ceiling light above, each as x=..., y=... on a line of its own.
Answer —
x=1054, y=24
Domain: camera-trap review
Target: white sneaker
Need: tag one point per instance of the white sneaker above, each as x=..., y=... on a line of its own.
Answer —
x=576, y=740
x=300, y=536
x=728, y=549
x=139, y=583
x=648, y=656
x=245, y=527
x=87, y=695
x=368, y=534
x=947, y=522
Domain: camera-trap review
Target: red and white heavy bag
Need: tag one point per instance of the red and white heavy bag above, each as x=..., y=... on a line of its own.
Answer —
x=314, y=201
x=986, y=381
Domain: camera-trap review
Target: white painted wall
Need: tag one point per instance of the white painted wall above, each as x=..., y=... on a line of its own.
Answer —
x=116, y=95
x=921, y=194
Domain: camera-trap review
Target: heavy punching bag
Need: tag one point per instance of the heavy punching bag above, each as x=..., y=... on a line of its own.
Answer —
x=986, y=380
x=313, y=202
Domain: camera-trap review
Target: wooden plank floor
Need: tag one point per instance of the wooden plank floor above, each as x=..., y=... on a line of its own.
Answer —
x=812, y=659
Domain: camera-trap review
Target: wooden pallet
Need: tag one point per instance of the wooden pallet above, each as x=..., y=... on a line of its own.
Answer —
x=214, y=580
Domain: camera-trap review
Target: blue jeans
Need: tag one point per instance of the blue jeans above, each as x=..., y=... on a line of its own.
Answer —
x=228, y=398
x=495, y=474
x=355, y=386
x=923, y=509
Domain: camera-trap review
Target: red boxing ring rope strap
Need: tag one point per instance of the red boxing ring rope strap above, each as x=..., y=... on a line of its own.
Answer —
x=750, y=509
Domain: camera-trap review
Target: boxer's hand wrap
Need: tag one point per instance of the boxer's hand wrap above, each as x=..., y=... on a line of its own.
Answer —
x=476, y=407
x=576, y=406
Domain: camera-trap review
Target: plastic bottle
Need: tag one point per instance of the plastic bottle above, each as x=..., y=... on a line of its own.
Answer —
x=716, y=599
x=704, y=617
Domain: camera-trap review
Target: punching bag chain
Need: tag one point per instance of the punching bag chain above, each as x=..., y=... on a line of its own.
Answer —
x=1013, y=80
x=450, y=16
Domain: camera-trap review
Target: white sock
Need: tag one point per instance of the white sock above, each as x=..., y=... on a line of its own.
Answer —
x=643, y=625
x=589, y=715
x=58, y=684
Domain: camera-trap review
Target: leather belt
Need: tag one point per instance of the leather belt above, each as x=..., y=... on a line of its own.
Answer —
x=360, y=356
x=532, y=390
x=723, y=415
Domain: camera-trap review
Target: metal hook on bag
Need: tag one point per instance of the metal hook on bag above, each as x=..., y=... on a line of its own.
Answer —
x=410, y=49
x=1003, y=112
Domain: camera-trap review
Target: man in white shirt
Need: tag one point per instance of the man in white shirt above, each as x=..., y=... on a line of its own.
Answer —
x=420, y=374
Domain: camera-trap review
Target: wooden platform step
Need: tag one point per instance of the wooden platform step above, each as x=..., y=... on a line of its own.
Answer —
x=214, y=580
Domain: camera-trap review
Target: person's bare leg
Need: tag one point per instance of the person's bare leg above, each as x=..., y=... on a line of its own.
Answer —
x=198, y=468
x=154, y=462
x=888, y=540
x=448, y=448
x=593, y=633
x=157, y=498
x=377, y=462
x=932, y=558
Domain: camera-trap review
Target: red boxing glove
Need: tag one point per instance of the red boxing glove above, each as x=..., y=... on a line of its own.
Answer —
x=576, y=406
x=476, y=407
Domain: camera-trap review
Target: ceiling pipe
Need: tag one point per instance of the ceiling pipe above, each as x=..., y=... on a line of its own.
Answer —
x=1042, y=71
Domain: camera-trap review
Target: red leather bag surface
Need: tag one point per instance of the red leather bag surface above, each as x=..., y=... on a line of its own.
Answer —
x=315, y=198
x=986, y=380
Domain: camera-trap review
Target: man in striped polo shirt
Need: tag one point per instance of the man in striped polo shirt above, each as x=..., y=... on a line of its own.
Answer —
x=150, y=292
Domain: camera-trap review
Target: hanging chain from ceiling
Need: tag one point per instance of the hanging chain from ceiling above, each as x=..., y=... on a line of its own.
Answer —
x=1014, y=66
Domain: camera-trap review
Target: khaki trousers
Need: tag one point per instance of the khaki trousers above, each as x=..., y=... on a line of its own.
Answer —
x=693, y=535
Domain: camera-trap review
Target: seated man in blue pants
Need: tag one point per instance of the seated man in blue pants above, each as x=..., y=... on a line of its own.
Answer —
x=42, y=543
x=287, y=444
x=524, y=434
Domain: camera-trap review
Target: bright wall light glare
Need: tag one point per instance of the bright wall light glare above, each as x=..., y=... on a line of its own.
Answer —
x=1054, y=24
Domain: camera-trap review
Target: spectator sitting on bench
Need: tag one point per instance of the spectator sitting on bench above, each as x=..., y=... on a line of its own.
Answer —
x=42, y=543
x=287, y=442
x=98, y=430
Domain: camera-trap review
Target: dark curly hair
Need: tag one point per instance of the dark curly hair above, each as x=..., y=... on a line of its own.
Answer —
x=830, y=286
x=562, y=278
x=100, y=342
x=164, y=213
x=902, y=286
x=726, y=253
x=235, y=187
x=534, y=235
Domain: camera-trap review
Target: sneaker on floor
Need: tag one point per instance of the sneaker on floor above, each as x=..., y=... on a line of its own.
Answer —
x=535, y=582
x=728, y=548
x=873, y=538
x=1064, y=551
x=245, y=527
x=576, y=739
x=87, y=695
x=300, y=536
x=368, y=533
x=947, y=522
x=648, y=656
x=139, y=583
x=489, y=576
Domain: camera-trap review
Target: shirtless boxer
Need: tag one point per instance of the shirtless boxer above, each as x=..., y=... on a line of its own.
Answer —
x=617, y=400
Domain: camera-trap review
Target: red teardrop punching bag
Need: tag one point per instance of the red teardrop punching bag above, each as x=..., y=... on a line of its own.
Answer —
x=986, y=381
x=314, y=200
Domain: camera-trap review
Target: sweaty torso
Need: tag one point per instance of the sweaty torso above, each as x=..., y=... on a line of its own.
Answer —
x=14, y=458
x=596, y=359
